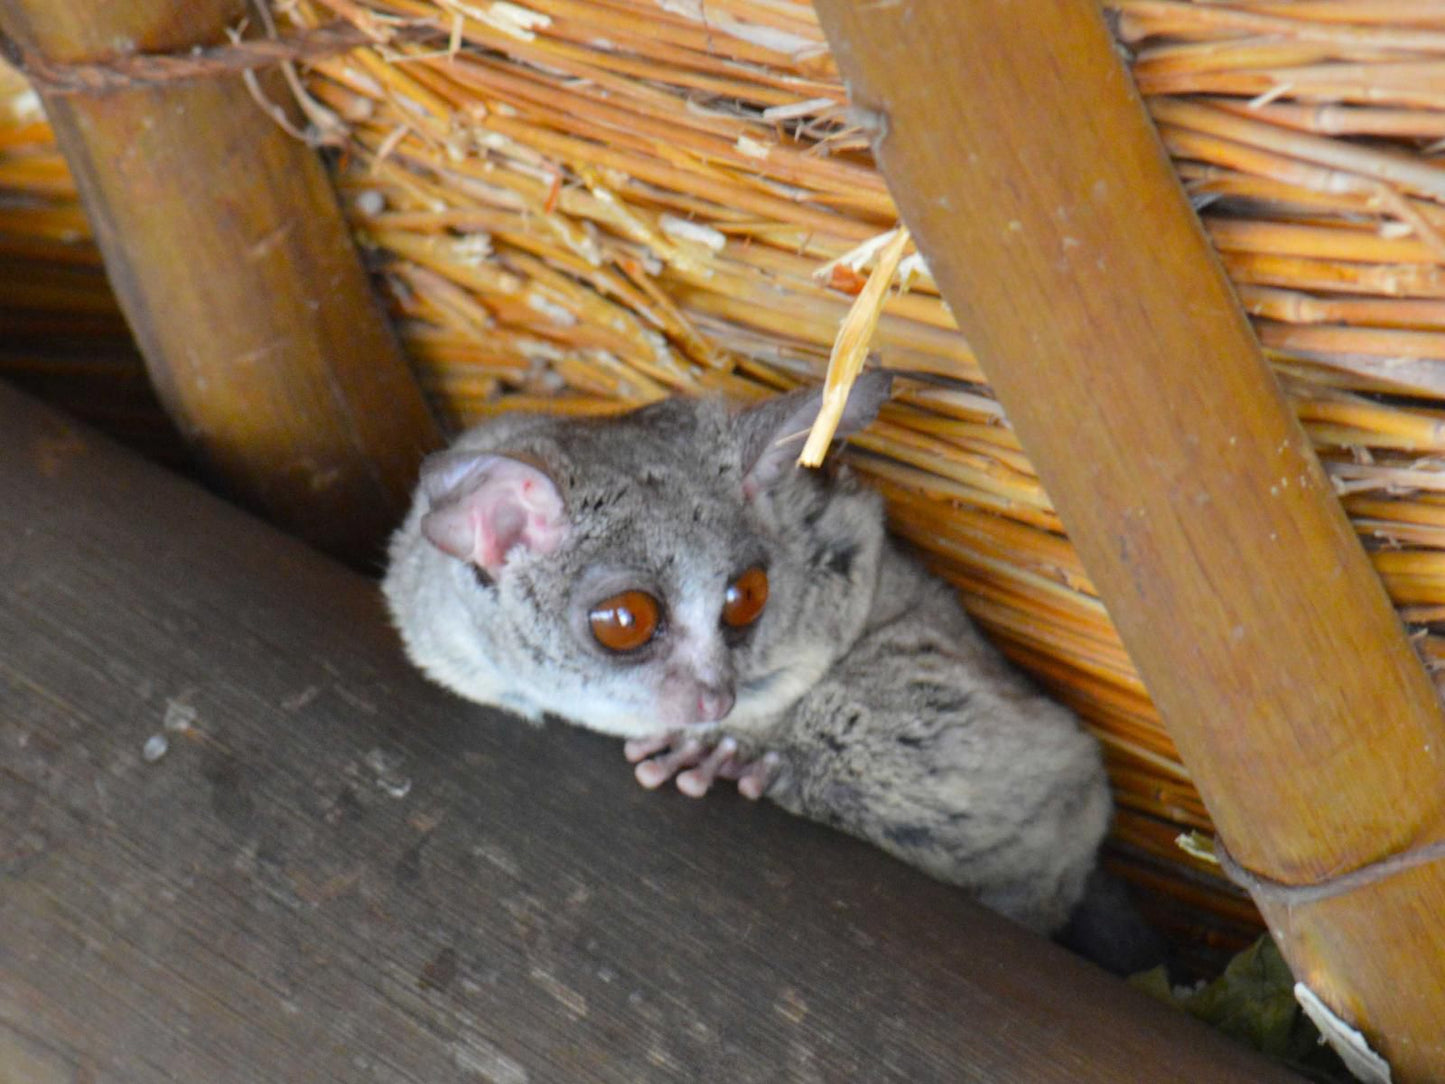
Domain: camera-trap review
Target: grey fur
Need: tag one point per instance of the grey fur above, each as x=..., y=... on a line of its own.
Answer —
x=887, y=713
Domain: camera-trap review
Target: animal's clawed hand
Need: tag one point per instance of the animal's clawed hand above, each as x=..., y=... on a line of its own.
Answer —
x=698, y=761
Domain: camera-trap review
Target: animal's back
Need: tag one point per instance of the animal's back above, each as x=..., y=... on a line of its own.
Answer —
x=926, y=742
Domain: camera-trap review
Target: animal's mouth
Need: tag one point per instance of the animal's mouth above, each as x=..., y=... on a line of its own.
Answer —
x=758, y=685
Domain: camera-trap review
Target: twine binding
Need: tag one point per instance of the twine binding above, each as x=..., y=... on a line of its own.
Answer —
x=209, y=62
x=1266, y=890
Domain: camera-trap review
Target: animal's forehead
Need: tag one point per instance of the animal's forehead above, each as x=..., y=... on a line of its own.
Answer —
x=673, y=530
x=662, y=519
x=642, y=455
x=635, y=471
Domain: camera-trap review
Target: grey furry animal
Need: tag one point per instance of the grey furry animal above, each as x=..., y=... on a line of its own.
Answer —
x=671, y=577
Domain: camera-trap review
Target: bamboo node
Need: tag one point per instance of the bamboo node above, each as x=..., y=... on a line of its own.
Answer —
x=1266, y=890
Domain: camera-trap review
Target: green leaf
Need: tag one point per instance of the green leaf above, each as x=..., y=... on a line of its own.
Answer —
x=1254, y=1003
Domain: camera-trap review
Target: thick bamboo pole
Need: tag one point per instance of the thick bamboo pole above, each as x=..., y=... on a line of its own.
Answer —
x=232, y=262
x=1024, y=164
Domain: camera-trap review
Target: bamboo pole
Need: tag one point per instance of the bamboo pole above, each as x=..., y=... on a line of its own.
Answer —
x=1025, y=166
x=233, y=265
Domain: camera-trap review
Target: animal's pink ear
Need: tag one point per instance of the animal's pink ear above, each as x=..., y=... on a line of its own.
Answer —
x=485, y=506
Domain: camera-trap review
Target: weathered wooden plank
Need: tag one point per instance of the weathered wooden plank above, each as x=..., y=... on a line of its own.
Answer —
x=339, y=872
x=233, y=265
x=1027, y=169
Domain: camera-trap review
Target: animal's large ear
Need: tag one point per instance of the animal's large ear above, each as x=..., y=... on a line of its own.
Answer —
x=772, y=434
x=484, y=506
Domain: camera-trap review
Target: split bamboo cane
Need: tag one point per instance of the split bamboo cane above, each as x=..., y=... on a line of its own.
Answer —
x=235, y=269
x=1025, y=166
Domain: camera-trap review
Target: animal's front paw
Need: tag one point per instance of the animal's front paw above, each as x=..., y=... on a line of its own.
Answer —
x=698, y=762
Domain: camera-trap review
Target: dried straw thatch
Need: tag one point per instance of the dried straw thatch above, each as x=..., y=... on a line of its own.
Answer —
x=583, y=204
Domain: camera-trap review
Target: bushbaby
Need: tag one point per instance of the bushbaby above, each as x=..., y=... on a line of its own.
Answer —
x=670, y=576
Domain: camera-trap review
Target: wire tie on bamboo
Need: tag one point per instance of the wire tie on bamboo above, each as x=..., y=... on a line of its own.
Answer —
x=1264, y=889
x=157, y=69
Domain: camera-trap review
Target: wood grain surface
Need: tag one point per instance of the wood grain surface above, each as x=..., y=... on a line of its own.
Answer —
x=338, y=872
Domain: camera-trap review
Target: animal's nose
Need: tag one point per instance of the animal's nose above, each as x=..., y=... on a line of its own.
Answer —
x=713, y=704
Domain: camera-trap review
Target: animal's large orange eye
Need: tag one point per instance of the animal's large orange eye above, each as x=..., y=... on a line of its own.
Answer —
x=746, y=596
x=625, y=622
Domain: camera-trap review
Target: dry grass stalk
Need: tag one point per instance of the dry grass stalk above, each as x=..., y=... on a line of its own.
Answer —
x=587, y=205
x=1180, y=18
x=850, y=349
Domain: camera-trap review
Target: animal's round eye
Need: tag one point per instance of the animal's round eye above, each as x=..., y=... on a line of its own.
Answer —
x=625, y=622
x=746, y=596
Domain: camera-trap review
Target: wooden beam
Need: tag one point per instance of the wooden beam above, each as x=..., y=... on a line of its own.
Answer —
x=1026, y=168
x=337, y=871
x=234, y=267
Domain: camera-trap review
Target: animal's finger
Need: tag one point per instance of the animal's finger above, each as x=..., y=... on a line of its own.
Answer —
x=658, y=770
x=698, y=781
x=755, y=779
x=636, y=749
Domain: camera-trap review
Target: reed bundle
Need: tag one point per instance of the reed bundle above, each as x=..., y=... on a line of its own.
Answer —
x=582, y=205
